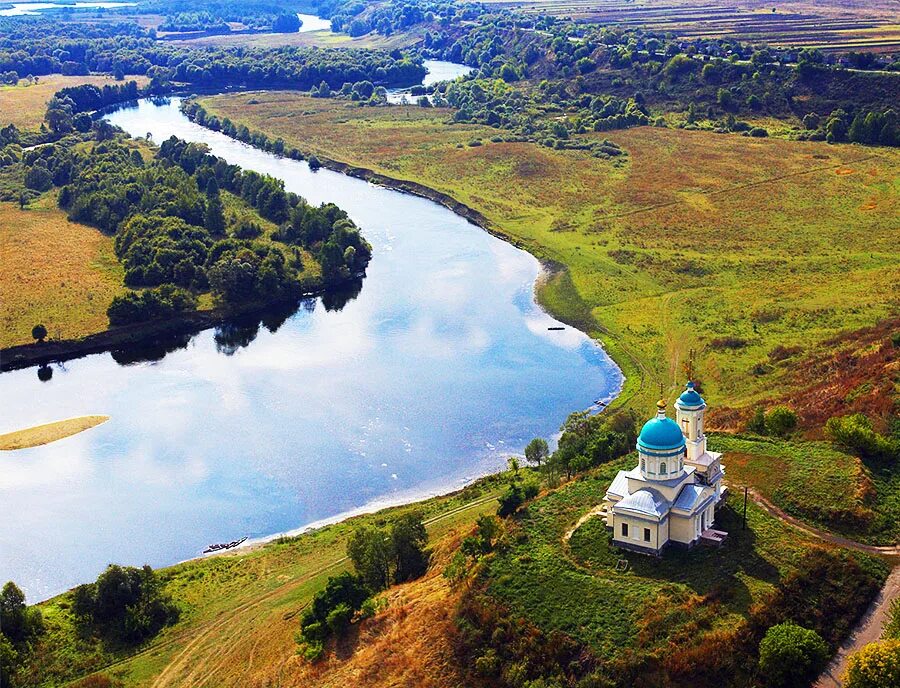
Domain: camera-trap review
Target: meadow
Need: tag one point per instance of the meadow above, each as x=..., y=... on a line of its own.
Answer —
x=828, y=25
x=818, y=484
x=731, y=246
x=25, y=104
x=76, y=278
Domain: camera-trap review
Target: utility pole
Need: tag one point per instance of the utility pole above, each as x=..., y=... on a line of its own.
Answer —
x=745, y=508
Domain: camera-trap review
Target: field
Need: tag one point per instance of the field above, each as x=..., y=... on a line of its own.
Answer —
x=240, y=611
x=727, y=245
x=24, y=105
x=55, y=272
x=49, y=432
x=818, y=484
x=828, y=25
x=321, y=39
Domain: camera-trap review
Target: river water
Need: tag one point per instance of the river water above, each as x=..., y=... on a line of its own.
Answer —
x=439, y=368
x=313, y=23
x=26, y=8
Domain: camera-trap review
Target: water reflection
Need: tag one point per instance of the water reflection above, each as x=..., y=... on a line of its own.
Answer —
x=428, y=376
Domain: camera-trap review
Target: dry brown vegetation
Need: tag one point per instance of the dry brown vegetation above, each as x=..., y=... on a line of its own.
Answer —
x=830, y=25
x=55, y=272
x=24, y=105
x=49, y=432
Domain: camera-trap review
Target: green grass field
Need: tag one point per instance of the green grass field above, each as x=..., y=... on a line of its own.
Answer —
x=818, y=484
x=719, y=243
x=25, y=104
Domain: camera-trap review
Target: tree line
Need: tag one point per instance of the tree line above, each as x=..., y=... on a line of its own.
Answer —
x=176, y=237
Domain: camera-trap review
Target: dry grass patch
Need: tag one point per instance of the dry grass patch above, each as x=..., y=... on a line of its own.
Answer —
x=48, y=432
x=24, y=105
x=55, y=272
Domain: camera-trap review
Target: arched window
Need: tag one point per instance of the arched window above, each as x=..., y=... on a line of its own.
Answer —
x=662, y=468
x=643, y=464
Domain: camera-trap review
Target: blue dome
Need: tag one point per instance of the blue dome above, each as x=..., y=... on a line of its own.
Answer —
x=661, y=433
x=689, y=398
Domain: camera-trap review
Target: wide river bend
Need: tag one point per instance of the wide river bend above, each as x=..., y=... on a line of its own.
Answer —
x=440, y=368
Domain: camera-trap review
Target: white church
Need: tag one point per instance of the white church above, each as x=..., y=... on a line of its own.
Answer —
x=670, y=497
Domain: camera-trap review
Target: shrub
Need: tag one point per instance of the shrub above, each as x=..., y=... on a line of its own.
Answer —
x=790, y=655
x=758, y=132
x=781, y=421
x=757, y=422
x=39, y=333
x=510, y=500
x=331, y=612
x=855, y=433
x=875, y=666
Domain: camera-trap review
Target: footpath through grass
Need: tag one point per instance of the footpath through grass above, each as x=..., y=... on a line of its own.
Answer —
x=728, y=245
x=819, y=484
x=234, y=607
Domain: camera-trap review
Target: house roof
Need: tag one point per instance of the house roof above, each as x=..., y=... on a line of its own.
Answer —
x=619, y=486
x=645, y=501
x=688, y=498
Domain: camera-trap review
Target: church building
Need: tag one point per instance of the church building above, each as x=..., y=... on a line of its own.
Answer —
x=670, y=497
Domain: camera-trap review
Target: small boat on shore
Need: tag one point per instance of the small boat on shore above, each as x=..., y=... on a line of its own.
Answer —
x=556, y=328
x=222, y=546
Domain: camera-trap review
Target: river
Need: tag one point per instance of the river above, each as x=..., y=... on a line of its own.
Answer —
x=29, y=8
x=436, y=371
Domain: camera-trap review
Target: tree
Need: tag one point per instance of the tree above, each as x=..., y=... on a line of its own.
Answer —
x=781, y=421
x=286, y=23
x=38, y=177
x=39, y=332
x=512, y=463
x=876, y=665
x=790, y=655
x=214, y=218
x=510, y=501
x=369, y=549
x=13, y=616
x=537, y=451
x=408, y=541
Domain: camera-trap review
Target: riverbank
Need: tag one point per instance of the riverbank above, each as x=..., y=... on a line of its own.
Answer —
x=156, y=331
x=656, y=245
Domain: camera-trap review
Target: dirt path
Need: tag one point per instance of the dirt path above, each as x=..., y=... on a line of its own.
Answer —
x=227, y=624
x=868, y=631
x=891, y=551
x=869, y=628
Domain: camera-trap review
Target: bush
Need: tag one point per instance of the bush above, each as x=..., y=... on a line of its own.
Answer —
x=149, y=304
x=875, y=666
x=855, y=433
x=330, y=612
x=510, y=501
x=781, y=421
x=790, y=655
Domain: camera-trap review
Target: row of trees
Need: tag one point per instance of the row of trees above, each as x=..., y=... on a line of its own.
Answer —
x=53, y=51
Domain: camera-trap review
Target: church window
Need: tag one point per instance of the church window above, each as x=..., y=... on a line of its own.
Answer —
x=624, y=530
x=646, y=535
x=662, y=468
x=643, y=464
